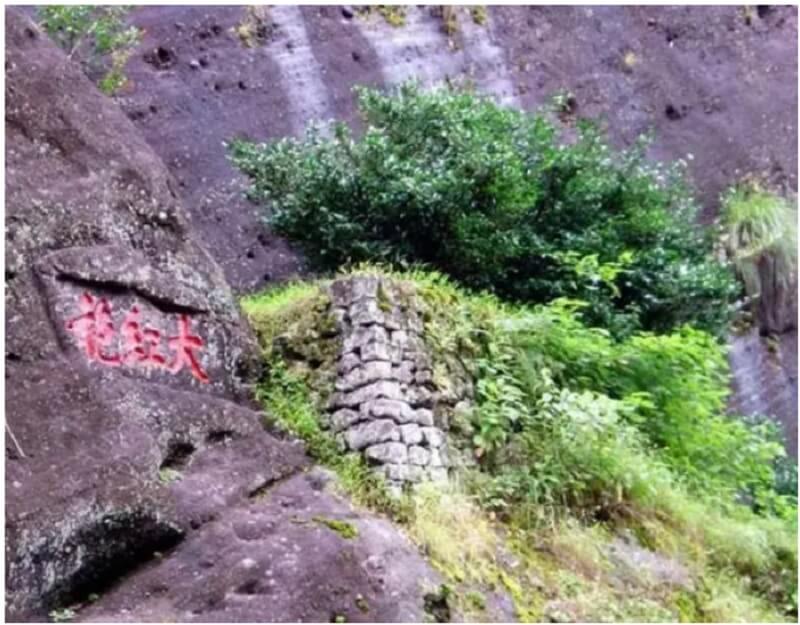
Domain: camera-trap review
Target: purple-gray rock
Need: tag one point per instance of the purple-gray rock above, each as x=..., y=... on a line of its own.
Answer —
x=366, y=312
x=395, y=409
x=419, y=456
x=411, y=434
x=390, y=453
x=370, y=433
x=347, y=363
x=344, y=418
x=377, y=351
x=365, y=374
x=132, y=472
x=433, y=436
x=423, y=416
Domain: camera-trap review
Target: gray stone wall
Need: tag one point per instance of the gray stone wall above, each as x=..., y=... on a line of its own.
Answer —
x=386, y=404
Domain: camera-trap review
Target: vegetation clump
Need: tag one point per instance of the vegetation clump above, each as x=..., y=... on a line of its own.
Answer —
x=578, y=438
x=761, y=238
x=90, y=33
x=256, y=28
x=449, y=16
x=168, y=475
x=479, y=14
x=346, y=530
x=392, y=14
x=491, y=197
x=62, y=616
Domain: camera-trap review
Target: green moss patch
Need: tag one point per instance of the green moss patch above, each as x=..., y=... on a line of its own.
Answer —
x=343, y=528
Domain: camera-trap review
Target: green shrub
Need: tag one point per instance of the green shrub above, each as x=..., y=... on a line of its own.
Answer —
x=275, y=311
x=89, y=33
x=575, y=455
x=287, y=400
x=676, y=386
x=488, y=196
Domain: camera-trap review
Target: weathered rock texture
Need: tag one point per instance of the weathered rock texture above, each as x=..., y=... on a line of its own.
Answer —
x=91, y=210
x=777, y=303
x=124, y=355
x=280, y=559
x=765, y=380
x=719, y=83
x=386, y=403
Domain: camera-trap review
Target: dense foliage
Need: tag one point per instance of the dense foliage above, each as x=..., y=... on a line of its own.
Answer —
x=90, y=33
x=570, y=424
x=489, y=196
x=673, y=389
x=661, y=397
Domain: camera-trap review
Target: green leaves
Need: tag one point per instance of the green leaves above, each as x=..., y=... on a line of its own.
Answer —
x=66, y=25
x=488, y=196
x=92, y=32
x=568, y=417
x=675, y=388
x=501, y=401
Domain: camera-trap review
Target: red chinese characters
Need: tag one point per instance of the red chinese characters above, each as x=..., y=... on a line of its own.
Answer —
x=141, y=345
x=94, y=329
x=185, y=345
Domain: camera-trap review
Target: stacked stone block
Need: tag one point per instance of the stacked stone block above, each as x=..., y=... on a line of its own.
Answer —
x=384, y=399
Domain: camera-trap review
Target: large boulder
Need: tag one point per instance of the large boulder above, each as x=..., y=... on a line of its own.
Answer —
x=128, y=438
x=298, y=555
x=95, y=233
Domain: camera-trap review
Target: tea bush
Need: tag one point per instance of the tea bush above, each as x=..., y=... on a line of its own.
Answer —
x=676, y=385
x=489, y=196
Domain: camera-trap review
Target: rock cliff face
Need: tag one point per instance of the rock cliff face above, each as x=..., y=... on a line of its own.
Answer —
x=125, y=359
x=137, y=469
x=765, y=380
x=717, y=86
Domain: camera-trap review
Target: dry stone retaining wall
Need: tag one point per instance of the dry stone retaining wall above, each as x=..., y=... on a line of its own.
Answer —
x=386, y=404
